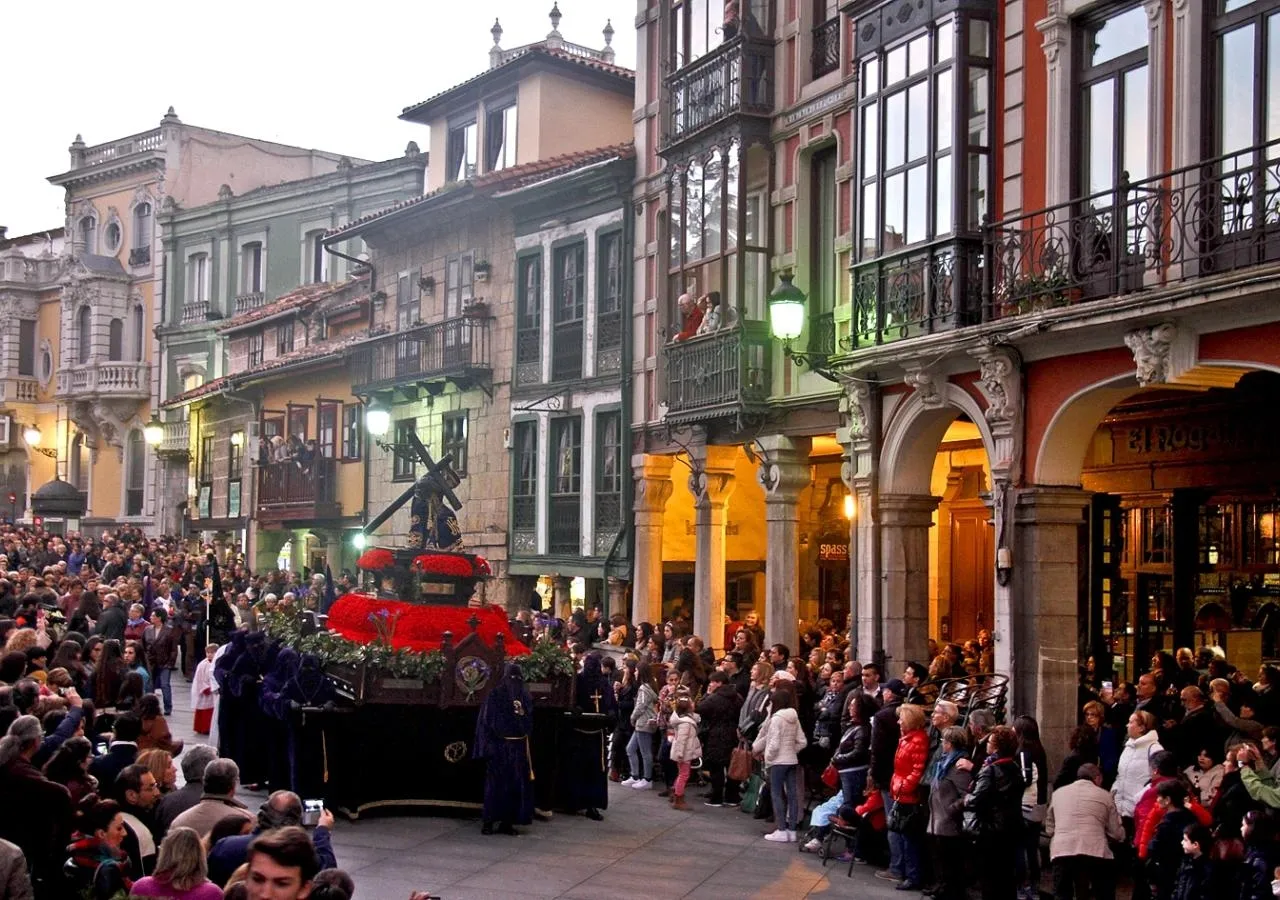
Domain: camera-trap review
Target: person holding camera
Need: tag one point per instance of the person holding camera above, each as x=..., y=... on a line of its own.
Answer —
x=282, y=809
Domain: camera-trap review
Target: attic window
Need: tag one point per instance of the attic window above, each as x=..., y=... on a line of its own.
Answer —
x=500, y=138
x=462, y=152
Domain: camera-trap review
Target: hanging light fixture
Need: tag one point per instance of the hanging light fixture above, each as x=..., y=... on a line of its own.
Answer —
x=153, y=432
x=377, y=418
x=31, y=434
x=786, y=310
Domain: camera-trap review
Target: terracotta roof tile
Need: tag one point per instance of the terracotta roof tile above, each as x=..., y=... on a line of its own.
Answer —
x=306, y=295
x=313, y=351
x=208, y=387
x=538, y=49
x=505, y=179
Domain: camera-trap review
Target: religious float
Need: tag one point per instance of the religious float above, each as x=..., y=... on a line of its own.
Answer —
x=411, y=657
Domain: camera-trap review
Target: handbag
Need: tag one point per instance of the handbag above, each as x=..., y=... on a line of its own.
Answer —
x=751, y=796
x=903, y=817
x=740, y=763
x=831, y=777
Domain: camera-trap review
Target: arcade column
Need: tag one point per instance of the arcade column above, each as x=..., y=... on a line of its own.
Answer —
x=784, y=473
x=653, y=488
x=711, y=483
x=905, y=520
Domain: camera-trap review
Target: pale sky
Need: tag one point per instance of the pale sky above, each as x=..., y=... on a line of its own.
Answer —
x=324, y=75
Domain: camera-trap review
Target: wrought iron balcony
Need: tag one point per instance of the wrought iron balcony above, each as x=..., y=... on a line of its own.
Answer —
x=735, y=79
x=298, y=491
x=566, y=351
x=723, y=374
x=608, y=342
x=1201, y=221
x=566, y=524
x=140, y=256
x=529, y=356
x=253, y=300
x=125, y=380
x=917, y=291
x=825, y=54
x=455, y=349
x=524, y=524
x=822, y=335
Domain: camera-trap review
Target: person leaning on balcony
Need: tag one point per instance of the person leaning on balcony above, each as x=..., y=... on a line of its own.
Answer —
x=690, y=317
x=710, y=304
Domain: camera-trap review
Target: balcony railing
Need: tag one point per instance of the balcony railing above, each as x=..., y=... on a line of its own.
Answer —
x=140, y=256
x=917, y=291
x=725, y=373
x=106, y=379
x=734, y=79
x=195, y=312
x=246, y=302
x=822, y=335
x=529, y=356
x=147, y=140
x=1204, y=220
x=20, y=389
x=566, y=351
x=309, y=489
x=566, y=524
x=454, y=348
x=608, y=342
x=176, y=440
x=524, y=524
x=825, y=54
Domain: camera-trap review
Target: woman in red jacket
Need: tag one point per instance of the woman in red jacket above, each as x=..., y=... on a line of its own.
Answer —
x=908, y=816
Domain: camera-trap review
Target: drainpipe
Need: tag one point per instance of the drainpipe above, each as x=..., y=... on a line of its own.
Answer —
x=626, y=532
x=877, y=588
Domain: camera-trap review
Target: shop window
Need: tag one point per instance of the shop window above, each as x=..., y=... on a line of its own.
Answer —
x=1259, y=525
x=1217, y=535
x=1156, y=529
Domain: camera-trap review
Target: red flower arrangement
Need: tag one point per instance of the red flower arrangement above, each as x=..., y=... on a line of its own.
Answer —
x=482, y=566
x=419, y=627
x=451, y=564
x=376, y=559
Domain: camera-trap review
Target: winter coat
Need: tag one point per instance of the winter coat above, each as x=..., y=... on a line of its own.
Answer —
x=1255, y=875
x=1205, y=783
x=644, y=718
x=1083, y=821
x=993, y=806
x=685, y=746
x=1134, y=771
x=1164, y=851
x=1193, y=880
x=885, y=732
x=162, y=648
x=781, y=739
x=719, y=712
x=946, y=798
x=855, y=748
x=908, y=766
x=750, y=715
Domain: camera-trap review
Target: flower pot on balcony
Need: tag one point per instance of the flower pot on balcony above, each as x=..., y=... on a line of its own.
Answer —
x=427, y=284
x=477, y=310
x=481, y=272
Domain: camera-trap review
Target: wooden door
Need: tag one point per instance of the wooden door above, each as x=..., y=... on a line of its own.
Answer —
x=972, y=569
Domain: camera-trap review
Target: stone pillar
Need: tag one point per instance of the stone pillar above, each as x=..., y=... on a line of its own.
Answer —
x=560, y=600
x=784, y=472
x=905, y=520
x=653, y=487
x=1049, y=522
x=616, y=596
x=711, y=484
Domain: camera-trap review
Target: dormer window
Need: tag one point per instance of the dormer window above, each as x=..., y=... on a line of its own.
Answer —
x=284, y=338
x=462, y=152
x=500, y=138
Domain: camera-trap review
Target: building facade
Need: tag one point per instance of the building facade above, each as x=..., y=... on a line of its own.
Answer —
x=1055, y=218
x=237, y=265
x=444, y=363
x=108, y=379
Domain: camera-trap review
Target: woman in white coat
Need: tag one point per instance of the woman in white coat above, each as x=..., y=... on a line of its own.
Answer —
x=1134, y=772
x=780, y=741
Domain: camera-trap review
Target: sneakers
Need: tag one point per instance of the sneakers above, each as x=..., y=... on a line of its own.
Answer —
x=907, y=886
x=779, y=836
x=641, y=785
x=712, y=805
x=627, y=782
x=886, y=875
x=813, y=846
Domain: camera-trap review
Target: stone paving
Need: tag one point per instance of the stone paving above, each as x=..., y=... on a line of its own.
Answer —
x=642, y=848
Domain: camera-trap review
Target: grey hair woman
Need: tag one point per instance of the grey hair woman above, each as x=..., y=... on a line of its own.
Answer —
x=23, y=739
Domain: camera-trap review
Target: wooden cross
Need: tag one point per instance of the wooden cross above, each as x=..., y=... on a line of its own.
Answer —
x=595, y=698
x=442, y=473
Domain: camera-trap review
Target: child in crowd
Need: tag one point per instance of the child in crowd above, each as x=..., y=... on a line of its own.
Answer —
x=202, y=690
x=685, y=746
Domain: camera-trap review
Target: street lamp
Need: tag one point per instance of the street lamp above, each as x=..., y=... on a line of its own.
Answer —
x=153, y=432
x=237, y=439
x=377, y=419
x=358, y=540
x=848, y=507
x=786, y=318
x=31, y=434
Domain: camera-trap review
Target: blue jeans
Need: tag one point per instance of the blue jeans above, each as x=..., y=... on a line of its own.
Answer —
x=853, y=784
x=640, y=747
x=904, y=850
x=162, y=677
x=784, y=790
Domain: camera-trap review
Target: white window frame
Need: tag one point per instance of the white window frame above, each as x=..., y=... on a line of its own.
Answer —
x=197, y=287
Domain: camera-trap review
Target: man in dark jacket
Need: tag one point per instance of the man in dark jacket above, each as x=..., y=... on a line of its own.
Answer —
x=719, y=711
x=885, y=733
x=112, y=622
x=1164, y=852
x=739, y=675
x=1199, y=729
x=122, y=752
x=282, y=808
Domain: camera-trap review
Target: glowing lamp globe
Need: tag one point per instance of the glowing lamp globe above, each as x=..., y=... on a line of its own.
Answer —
x=153, y=432
x=32, y=436
x=377, y=420
x=786, y=310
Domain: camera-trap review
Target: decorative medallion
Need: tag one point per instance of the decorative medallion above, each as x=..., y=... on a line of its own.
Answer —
x=471, y=674
x=455, y=752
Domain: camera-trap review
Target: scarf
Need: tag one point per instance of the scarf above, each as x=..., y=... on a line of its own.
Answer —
x=942, y=764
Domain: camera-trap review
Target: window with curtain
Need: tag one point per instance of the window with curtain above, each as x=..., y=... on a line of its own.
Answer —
x=500, y=138
x=351, y=435
x=327, y=429
x=529, y=309
x=459, y=283
x=251, y=268
x=524, y=508
x=197, y=278
x=403, y=467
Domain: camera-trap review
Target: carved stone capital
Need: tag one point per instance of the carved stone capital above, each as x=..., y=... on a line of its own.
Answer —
x=1000, y=381
x=711, y=488
x=653, y=483
x=1153, y=353
x=857, y=410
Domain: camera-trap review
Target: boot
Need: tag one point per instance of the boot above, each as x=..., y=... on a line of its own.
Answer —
x=677, y=802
